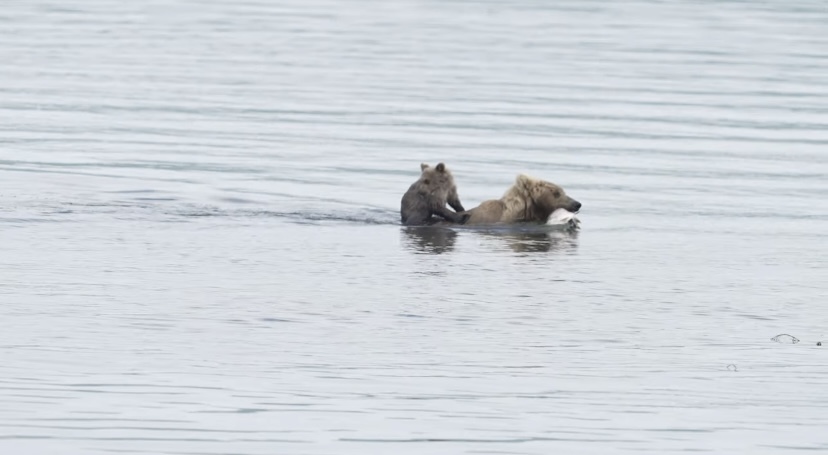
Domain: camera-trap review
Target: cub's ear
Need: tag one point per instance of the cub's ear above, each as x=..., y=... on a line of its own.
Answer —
x=441, y=167
x=423, y=166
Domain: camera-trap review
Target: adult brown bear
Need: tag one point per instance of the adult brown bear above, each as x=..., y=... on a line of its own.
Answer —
x=528, y=200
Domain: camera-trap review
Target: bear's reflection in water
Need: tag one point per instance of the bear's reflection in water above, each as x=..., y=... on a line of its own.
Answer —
x=438, y=240
x=540, y=242
x=430, y=239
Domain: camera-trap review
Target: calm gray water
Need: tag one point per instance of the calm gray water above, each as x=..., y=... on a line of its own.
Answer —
x=201, y=254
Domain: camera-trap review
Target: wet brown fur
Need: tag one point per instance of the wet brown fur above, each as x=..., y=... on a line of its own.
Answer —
x=528, y=200
x=429, y=195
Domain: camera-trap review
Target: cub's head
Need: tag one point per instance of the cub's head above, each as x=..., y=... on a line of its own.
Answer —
x=437, y=177
x=546, y=196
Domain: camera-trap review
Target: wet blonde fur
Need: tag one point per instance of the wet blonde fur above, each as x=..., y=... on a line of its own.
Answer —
x=528, y=200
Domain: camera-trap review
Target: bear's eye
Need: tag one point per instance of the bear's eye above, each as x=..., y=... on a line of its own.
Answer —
x=427, y=181
x=557, y=194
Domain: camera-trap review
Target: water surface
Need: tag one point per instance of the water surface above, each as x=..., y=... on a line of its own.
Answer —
x=201, y=253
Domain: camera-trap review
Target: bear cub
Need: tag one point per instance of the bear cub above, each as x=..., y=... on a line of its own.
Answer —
x=428, y=196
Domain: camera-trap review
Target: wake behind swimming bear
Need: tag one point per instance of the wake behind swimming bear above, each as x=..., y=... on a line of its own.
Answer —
x=428, y=196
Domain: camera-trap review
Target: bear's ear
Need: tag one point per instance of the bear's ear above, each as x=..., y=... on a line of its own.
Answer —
x=423, y=166
x=523, y=180
x=441, y=167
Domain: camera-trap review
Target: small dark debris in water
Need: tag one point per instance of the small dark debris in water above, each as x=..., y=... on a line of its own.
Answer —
x=250, y=410
x=732, y=367
x=819, y=343
x=785, y=338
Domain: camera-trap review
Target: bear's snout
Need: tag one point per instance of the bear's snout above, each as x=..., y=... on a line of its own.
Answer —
x=574, y=206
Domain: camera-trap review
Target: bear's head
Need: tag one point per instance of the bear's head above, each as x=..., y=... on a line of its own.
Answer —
x=437, y=178
x=545, y=196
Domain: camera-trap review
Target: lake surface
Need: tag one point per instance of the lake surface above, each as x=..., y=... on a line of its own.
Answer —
x=201, y=251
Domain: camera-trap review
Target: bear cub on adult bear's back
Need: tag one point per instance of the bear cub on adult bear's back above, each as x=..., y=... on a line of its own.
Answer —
x=428, y=196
